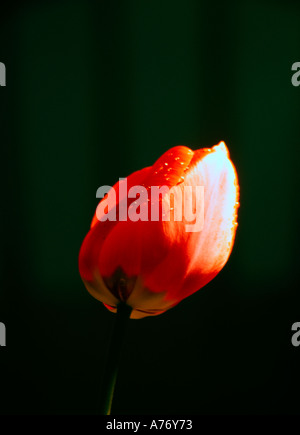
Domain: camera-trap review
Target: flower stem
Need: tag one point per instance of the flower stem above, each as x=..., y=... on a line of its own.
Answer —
x=113, y=357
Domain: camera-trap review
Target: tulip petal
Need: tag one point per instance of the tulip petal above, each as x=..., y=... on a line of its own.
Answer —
x=92, y=244
x=205, y=252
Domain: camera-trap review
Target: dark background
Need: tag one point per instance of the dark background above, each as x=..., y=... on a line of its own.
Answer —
x=95, y=91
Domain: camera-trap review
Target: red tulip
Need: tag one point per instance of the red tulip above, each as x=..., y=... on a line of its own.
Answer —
x=153, y=265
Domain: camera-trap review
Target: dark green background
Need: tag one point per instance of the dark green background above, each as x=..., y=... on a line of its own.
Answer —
x=96, y=90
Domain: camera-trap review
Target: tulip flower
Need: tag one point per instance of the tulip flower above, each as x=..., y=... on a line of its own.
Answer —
x=150, y=245
x=151, y=265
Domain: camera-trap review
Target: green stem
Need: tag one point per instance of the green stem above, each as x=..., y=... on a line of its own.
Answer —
x=113, y=357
